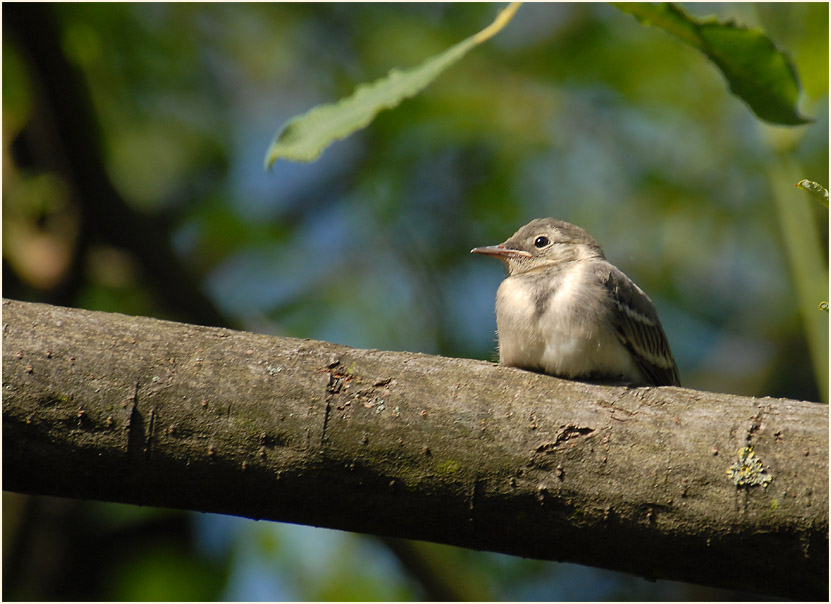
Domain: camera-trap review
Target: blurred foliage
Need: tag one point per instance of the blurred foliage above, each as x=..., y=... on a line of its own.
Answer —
x=574, y=111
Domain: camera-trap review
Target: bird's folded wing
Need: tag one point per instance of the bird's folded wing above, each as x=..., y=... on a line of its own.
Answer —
x=639, y=329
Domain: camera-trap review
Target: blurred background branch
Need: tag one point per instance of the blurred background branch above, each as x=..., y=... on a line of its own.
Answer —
x=62, y=138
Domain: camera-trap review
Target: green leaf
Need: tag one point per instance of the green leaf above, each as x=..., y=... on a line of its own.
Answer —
x=756, y=71
x=305, y=137
x=815, y=189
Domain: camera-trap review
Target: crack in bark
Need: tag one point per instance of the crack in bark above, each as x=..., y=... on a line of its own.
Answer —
x=151, y=422
x=565, y=434
x=325, y=422
x=333, y=387
x=134, y=424
x=756, y=423
x=139, y=439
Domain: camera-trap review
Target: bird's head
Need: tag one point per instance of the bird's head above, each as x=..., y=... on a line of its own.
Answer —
x=543, y=242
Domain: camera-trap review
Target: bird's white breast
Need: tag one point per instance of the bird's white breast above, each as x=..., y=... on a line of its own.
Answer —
x=569, y=335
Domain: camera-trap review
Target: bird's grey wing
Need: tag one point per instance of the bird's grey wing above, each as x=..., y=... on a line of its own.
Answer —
x=638, y=327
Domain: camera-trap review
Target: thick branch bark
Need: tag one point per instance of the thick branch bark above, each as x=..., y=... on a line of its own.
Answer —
x=136, y=410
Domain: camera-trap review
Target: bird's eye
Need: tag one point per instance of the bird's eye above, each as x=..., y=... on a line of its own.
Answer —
x=541, y=241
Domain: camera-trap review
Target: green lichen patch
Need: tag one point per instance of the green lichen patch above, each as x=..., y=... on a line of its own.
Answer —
x=448, y=466
x=747, y=470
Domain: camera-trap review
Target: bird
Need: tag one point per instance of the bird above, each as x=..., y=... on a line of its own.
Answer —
x=566, y=311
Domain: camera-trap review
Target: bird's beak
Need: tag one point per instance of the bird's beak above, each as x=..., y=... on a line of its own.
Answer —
x=500, y=251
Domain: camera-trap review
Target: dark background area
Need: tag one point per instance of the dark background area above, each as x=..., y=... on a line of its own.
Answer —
x=133, y=144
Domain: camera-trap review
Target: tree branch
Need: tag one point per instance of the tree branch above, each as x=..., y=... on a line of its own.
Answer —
x=136, y=410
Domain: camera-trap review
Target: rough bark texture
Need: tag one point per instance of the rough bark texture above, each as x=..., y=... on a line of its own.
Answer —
x=136, y=410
